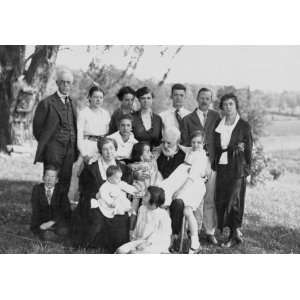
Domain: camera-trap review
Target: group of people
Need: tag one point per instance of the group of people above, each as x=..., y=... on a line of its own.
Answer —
x=125, y=182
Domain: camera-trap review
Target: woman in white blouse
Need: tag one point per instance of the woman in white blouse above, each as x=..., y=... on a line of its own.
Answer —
x=124, y=138
x=92, y=124
x=233, y=141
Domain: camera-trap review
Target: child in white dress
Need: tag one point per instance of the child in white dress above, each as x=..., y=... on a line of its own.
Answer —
x=112, y=196
x=187, y=182
x=152, y=233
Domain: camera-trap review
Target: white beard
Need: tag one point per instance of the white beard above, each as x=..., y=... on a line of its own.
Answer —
x=170, y=152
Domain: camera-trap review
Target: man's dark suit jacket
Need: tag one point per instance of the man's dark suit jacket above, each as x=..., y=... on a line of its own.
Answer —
x=58, y=210
x=239, y=162
x=192, y=123
x=46, y=122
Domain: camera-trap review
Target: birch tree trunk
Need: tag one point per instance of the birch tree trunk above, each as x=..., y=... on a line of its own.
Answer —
x=21, y=88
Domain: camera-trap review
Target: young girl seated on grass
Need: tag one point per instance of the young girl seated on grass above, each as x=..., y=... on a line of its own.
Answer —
x=112, y=196
x=187, y=182
x=152, y=233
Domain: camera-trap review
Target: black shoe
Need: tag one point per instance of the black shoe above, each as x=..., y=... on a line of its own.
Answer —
x=212, y=239
x=174, y=248
x=195, y=251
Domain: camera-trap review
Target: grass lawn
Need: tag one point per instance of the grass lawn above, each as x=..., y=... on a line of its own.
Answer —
x=271, y=223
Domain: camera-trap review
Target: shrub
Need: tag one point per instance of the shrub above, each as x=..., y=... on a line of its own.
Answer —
x=264, y=168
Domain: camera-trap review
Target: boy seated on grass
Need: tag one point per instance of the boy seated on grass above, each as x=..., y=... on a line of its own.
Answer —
x=51, y=210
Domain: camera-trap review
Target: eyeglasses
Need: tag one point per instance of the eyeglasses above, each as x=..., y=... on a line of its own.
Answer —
x=65, y=82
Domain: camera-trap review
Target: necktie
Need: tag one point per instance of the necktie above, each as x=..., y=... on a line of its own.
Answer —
x=48, y=195
x=204, y=118
x=67, y=101
x=178, y=118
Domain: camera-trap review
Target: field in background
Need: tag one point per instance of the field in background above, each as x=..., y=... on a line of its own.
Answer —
x=283, y=133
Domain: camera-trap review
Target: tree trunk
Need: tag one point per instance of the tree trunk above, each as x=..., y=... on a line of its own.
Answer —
x=20, y=89
x=11, y=67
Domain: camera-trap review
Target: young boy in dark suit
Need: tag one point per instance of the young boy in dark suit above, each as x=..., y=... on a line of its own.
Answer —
x=50, y=208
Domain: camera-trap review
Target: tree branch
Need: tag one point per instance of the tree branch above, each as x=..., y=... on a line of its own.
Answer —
x=166, y=74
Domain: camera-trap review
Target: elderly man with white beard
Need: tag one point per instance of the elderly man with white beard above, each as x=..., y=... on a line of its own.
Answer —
x=170, y=156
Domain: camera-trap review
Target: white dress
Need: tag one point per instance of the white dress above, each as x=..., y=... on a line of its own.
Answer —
x=116, y=195
x=194, y=167
x=91, y=122
x=153, y=226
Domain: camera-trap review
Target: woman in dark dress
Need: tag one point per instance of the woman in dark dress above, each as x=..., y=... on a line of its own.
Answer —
x=126, y=96
x=232, y=163
x=147, y=126
x=95, y=229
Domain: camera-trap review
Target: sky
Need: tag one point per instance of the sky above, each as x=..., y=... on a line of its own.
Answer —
x=270, y=68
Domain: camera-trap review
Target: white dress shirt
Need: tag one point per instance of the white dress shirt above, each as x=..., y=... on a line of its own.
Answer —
x=51, y=194
x=169, y=117
x=201, y=116
x=62, y=96
x=124, y=148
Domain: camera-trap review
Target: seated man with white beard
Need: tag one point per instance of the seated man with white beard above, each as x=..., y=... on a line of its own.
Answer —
x=170, y=156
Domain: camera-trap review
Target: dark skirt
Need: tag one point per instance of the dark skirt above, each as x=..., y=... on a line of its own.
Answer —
x=105, y=233
x=230, y=198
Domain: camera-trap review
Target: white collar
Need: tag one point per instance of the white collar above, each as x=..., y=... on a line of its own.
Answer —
x=130, y=139
x=102, y=169
x=199, y=111
x=61, y=96
x=51, y=189
x=180, y=110
x=98, y=109
x=222, y=127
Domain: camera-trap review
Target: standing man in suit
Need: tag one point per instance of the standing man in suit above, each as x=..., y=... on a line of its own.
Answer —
x=173, y=117
x=54, y=127
x=205, y=119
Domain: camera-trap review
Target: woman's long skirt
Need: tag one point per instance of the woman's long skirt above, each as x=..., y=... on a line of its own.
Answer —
x=230, y=198
x=106, y=233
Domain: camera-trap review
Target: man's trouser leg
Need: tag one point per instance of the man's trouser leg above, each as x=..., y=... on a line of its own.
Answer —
x=176, y=213
x=209, y=208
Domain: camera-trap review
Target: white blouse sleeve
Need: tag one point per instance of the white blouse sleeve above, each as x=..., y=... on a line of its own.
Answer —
x=107, y=117
x=129, y=189
x=80, y=130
